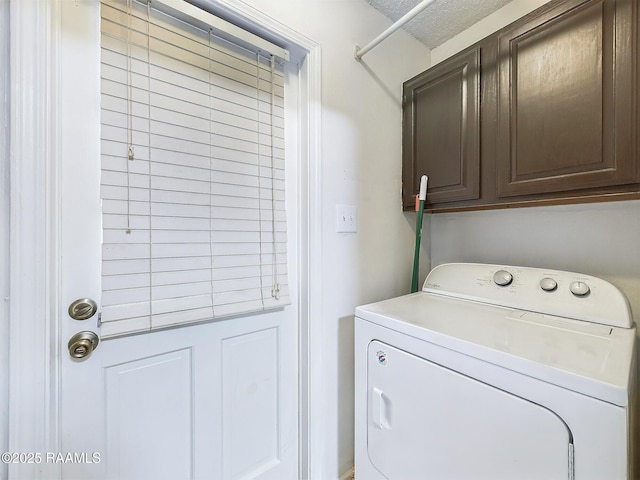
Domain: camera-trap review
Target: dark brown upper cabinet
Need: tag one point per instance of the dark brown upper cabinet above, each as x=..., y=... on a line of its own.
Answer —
x=441, y=121
x=544, y=111
x=565, y=110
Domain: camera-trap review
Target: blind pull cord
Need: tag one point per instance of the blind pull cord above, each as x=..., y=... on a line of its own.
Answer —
x=275, y=291
x=130, y=154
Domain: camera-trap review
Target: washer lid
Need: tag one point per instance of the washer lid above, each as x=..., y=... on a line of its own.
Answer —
x=589, y=358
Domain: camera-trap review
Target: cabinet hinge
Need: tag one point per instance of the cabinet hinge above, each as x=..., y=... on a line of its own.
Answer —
x=571, y=464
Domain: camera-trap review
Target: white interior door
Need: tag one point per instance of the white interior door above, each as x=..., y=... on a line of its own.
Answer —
x=426, y=421
x=214, y=400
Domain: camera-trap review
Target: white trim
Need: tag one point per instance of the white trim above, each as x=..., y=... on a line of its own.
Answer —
x=4, y=229
x=310, y=263
x=34, y=38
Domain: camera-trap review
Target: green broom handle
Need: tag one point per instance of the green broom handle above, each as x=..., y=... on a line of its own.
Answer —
x=416, y=254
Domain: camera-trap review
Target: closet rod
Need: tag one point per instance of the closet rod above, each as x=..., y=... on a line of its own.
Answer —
x=360, y=52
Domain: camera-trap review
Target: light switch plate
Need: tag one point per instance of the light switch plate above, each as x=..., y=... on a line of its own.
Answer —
x=346, y=218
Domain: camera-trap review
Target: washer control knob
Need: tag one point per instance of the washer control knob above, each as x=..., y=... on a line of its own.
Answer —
x=502, y=278
x=548, y=284
x=579, y=289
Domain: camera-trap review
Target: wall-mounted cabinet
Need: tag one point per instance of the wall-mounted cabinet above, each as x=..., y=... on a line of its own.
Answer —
x=565, y=110
x=442, y=116
x=556, y=120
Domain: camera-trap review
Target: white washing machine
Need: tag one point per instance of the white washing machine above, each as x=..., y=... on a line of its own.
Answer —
x=496, y=372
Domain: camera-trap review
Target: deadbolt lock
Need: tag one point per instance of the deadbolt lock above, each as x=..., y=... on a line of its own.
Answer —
x=82, y=344
x=82, y=309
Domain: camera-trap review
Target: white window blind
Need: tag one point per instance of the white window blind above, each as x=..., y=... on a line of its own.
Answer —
x=193, y=190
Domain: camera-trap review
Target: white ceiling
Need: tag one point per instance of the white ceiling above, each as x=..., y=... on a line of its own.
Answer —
x=441, y=20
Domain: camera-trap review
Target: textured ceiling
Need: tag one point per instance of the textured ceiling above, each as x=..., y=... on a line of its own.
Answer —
x=441, y=20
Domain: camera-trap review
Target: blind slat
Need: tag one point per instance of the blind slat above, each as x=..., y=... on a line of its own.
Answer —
x=194, y=222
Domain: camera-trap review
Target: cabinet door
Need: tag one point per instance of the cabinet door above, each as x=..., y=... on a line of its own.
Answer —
x=441, y=121
x=565, y=109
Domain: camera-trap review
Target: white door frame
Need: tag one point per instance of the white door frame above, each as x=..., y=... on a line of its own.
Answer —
x=35, y=230
x=33, y=243
x=4, y=228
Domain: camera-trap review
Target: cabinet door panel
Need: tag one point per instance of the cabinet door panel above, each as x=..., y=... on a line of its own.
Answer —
x=441, y=131
x=565, y=114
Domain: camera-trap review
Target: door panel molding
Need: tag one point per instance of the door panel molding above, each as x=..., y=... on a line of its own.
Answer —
x=250, y=403
x=137, y=408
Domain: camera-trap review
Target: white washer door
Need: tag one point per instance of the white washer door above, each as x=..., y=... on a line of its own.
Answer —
x=428, y=422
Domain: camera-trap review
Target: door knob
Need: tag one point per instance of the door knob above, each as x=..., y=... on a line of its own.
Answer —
x=82, y=344
x=82, y=309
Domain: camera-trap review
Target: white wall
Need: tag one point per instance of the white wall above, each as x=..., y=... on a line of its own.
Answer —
x=361, y=166
x=598, y=239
